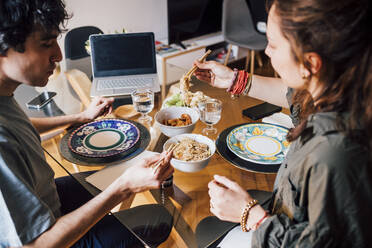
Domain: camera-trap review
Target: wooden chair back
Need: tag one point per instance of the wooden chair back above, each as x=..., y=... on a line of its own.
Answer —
x=81, y=84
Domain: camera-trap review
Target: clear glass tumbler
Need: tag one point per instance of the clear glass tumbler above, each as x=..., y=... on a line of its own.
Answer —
x=143, y=102
x=210, y=114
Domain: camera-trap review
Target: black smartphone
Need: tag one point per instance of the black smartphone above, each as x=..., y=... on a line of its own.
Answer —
x=41, y=100
x=261, y=110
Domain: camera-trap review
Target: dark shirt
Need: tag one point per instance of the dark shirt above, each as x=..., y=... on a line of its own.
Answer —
x=323, y=191
x=29, y=203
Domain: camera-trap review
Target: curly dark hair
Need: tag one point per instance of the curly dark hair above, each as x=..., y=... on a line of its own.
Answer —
x=19, y=18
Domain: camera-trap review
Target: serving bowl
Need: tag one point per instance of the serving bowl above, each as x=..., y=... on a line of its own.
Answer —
x=191, y=166
x=173, y=113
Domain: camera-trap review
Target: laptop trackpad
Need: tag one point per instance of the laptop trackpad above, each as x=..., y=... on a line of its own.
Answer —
x=123, y=91
x=106, y=92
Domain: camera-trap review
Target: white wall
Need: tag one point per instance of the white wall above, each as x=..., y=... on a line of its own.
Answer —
x=111, y=15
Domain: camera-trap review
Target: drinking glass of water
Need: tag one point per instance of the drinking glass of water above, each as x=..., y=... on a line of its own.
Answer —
x=210, y=114
x=143, y=102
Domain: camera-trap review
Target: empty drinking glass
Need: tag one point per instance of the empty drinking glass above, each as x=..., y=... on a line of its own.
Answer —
x=210, y=114
x=143, y=102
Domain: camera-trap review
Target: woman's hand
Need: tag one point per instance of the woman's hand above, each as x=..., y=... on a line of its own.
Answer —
x=214, y=73
x=142, y=176
x=99, y=106
x=228, y=199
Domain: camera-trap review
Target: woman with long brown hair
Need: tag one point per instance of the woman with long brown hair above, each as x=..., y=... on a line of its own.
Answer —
x=322, y=196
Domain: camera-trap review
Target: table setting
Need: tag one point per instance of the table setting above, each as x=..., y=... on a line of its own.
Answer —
x=111, y=141
x=111, y=145
x=105, y=141
x=256, y=147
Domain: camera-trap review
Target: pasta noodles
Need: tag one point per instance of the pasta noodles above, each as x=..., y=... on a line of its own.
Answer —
x=191, y=99
x=191, y=150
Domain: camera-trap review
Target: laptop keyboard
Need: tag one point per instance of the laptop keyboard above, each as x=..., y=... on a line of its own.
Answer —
x=105, y=84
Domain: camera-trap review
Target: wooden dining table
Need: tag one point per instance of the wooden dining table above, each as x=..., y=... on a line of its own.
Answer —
x=187, y=199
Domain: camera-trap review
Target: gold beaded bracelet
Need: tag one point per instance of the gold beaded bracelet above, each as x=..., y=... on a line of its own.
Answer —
x=244, y=218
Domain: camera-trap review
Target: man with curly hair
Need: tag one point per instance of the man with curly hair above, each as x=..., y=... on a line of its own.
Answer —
x=35, y=209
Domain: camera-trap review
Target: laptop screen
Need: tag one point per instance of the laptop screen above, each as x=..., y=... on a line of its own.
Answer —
x=123, y=54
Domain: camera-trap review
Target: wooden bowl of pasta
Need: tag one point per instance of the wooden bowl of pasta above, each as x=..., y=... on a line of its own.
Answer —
x=192, y=152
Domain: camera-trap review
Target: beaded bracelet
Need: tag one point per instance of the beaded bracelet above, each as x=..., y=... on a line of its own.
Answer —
x=242, y=84
x=233, y=81
x=244, y=217
x=239, y=80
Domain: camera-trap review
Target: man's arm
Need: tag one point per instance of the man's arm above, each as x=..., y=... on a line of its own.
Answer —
x=98, y=107
x=71, y=227
x=48, y=123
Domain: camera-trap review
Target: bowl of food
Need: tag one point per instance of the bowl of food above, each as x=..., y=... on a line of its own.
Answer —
x=176, y=120
x=192, y=152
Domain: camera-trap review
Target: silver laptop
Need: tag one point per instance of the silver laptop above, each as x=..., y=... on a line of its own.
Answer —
x=122, y=63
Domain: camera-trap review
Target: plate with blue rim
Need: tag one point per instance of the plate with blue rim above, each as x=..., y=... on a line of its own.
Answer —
x=260, y=143
x=103, y=138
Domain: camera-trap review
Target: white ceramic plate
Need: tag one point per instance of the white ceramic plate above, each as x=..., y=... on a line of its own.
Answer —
x=103, y=138
x=260, y=143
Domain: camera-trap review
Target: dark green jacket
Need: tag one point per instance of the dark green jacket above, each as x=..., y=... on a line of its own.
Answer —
x=323, y=192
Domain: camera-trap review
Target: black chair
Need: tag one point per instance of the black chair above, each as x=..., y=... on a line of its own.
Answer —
x=75, y=53
x=210, y=231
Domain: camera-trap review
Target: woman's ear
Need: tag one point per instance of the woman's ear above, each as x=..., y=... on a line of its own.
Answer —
x=315, y=62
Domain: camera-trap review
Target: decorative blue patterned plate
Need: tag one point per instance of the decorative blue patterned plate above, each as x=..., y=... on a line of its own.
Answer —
x=260, y=143
x=103, y=138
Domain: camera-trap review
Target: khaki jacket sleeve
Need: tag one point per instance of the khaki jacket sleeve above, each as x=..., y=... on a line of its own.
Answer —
x=332, y=197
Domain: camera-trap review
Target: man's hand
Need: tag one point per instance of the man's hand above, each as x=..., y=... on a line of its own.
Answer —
x=142, y=176
x=214, y=73
x=99, y=106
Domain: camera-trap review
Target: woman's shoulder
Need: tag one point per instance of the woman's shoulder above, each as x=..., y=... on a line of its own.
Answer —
x=334, y=149
x=335, y=153
x=324, y=144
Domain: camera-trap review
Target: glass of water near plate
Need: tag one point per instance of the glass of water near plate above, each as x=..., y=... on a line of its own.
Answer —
x=143, y=102
x=210, y=114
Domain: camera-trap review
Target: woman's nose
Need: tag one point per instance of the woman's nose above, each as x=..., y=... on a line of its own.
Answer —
x=267, y=52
